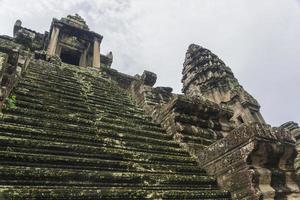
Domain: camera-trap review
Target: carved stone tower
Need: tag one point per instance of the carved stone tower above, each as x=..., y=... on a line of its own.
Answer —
x=206, y=76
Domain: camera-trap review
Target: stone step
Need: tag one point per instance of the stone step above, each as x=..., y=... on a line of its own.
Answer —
x=46, y=100
x=151, y=164
x=106, y=129
x=74, y=118
x=62, y=148
x=52, y=102
x=102, y=119
x=43, y=94
x=11, y=158
x=136, y=132
x=51, y=71
x=27, y=103
x=108, y=144
x=132, y=117
x=96, y=193
x=75, y=135
x=31, y=103
x=50, y=91
x=49, y=78
x=76, y=94
x=70, y=102
x=45, y=68
x=69, y=83
x=68, y=72
x=144, y=125
x=197, y=140
x=74, y=87
x=13, y=175
x=55, y=125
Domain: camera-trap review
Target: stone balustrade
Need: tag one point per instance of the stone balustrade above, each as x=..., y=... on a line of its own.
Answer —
x=254, y=162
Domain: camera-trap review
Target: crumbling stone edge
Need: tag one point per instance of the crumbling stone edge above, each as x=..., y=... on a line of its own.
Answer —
x=252, y=161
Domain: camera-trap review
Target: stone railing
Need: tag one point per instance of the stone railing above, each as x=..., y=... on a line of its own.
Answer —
x=123, y=80
x=193, y=123
x=149, y=98
x=251, y=161
x=254, y=162
x=12, y=64
x=294, y=128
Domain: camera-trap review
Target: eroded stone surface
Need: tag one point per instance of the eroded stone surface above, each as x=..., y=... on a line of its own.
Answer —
x=74, y=134
x=206, y=76
x=251, y=160
x=294, y=128
x=76, y=129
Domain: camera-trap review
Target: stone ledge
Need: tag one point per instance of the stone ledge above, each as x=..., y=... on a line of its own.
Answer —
x=254, y=161
x=196, y=105
x=244, y=135
x=13, y=63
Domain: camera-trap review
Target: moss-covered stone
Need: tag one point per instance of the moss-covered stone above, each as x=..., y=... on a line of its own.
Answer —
x=75, y=135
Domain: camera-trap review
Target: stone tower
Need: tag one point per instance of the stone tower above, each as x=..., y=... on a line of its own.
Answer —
x=206, y=76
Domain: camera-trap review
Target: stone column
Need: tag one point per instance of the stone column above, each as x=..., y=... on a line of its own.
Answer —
x=53, y=41
x=82, y=61
x=96, y=54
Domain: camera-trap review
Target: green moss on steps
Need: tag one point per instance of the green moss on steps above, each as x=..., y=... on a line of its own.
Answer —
x=75, y=135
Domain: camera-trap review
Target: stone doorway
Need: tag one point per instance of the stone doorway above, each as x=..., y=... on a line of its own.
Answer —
x=70, y=56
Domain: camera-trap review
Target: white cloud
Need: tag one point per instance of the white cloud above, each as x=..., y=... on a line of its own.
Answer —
x=258, y=39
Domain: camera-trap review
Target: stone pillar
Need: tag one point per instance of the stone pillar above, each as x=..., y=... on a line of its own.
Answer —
x=53, y=41
x=96, y=54
x=82, y=61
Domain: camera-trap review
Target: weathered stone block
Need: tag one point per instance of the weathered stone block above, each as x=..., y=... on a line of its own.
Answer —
x=260, y=152
x=164, y=89
x=149, y=78
x=206, y=76
x=3, y=60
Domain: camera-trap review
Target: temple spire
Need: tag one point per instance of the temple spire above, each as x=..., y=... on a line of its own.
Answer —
x=206, y=76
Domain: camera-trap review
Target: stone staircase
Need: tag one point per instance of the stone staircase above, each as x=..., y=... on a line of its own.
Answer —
x=72, y=134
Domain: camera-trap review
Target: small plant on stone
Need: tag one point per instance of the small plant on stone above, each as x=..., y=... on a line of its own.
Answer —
x=11, y=101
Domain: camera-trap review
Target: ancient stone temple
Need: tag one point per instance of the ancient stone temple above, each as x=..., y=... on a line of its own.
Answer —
x=206, y=76
x=73, y=128
x=69, y=39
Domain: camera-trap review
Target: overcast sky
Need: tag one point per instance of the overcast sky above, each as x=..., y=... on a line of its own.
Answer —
x=258, y=39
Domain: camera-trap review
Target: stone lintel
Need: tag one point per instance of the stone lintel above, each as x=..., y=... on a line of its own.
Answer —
x=78, y=32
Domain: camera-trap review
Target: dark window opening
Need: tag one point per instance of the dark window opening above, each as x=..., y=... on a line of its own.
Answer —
x=254, y=114
x=70, y=57
x=240, y=120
